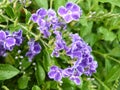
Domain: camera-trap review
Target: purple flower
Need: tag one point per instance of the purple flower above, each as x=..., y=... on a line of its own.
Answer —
x=41, y=12
x=55, y=73
x=18, y=37
x=47, y=20
x=60, y=44
x=91, y=68
x=75, y=79
x=34, y=17
x=70, y=12
x=7, y=41
x=34, y=49
x=2, y=50
x=67, y=72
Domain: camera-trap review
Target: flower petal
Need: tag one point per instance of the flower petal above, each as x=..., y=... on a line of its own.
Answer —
x=62, y=11
x=10, y=41
x=75, y=8
x=51, y=74
x=2, y=35
x=42, y=12
x=34, y=17
x=75, y=16
x=69, y=5
x=58, y=77
x=68, y=18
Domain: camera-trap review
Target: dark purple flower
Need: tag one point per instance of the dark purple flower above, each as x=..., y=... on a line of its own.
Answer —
x=7, y=41
x=60, y=44
x=18, y=37
x=2, y=50
x=34, y=49
x=67, y=72
x=91, y=68
x=55, y=73
x=70, y=12
x=75, y=79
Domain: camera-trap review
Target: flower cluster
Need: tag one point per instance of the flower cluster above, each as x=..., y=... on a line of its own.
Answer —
x=34, y=49
x=55, y=73
x=47, y=20
x=84, y=63
x=78, y=50
x=8, y=41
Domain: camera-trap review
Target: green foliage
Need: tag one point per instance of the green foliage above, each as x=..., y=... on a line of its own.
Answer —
x=99, y=26
x=23, y=82
x=7, y=71
x=39, y=73
x=42, y=3
x=58, y=3
x=35, y=87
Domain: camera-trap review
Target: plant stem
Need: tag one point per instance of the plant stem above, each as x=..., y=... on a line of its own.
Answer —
x=51, y=3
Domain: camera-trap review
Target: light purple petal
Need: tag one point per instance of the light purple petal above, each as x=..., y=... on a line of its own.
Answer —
x=17, y=34
x=62, y=11
x=75, y=8
x=80, y=70
x=41, y=22
x=18, y=41
x=2, y=35
x=51, y=74
x=37, y=48
x=10, y=41
x=69, y=5
x=54, y=68
x=51, y=13
x=46, y=33
x=58, y=77
x=34, y=17
x=55, y=53
x=75, y=79
x=30, y=55
x=42, y=12
x=68, y=18
x=75, y=16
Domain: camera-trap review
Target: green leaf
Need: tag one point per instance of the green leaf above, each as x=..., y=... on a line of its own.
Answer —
x=9, y=11
x=115, y=52
x=39, y=73
x=7, y=71
x=58, y=3
x=23, y=82
x=91, y=38
x=114, y=2
x=113, y=74
x=68, y=84
x=72, y=1
x=106, y=34
x=107, y=65
x=41, y=3
x=28, y=15
x=35, y=87
x=47, y=61
x=85, y=30
x=102, y=83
